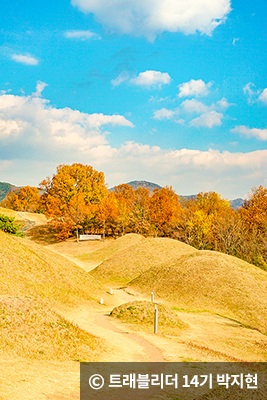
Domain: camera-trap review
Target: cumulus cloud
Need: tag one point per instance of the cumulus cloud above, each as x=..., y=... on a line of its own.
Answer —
x=82, y=35
x=208, y=119
x=194, y=105
x=152, y=17
x=32, y=121
x=151, y=78
x=164, y=113
x=209, y=115
x=145, y=79
x=25, y=59
x=194, y=88
x=223, y=104
x=260, y=134
x=263, y=96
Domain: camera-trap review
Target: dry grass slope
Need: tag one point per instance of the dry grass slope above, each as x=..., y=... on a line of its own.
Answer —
x=127, y=264
x=35, y=285
x=30, y=329
x=121, y=244
x=28, y=269
x=142, y=313
x=211, y=281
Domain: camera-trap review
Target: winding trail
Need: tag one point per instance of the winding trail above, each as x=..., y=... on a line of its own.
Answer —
x=121, y=344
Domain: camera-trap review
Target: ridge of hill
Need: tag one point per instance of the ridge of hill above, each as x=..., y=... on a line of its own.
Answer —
x=111, y=249
x=136, y=184
x=210, y=281
x=123, y=266
x=191, y=279
x=5, y=188
x=28, y=269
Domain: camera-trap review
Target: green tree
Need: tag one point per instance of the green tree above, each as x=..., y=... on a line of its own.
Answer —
x=7, y=225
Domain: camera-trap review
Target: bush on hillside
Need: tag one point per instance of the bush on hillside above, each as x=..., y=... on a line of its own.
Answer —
x=7, y=225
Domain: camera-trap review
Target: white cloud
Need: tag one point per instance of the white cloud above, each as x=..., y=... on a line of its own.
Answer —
x=249, y=90
x=39, y=88
x=164, y=114
x=37, y=137
x=82, y=35
x=208, y=119
x=194, y=106
x=151, y=78
x=235, y=40
x=223, y=104
x=31, y=121
x=263, y=96
x=260, y=134
x=25, y=59
x=194, y=88
x=124, y=76
x=152, y=17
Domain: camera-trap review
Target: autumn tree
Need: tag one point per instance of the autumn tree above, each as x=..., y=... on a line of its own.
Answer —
x=107, y=215
x=125, y=196
x=254, y=215
x=71, y=196
x=164, y=211
x=199, y=216
x=26, y=198
x=139, y=218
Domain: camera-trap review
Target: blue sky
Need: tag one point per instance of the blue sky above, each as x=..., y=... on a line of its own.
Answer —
x=167, y=91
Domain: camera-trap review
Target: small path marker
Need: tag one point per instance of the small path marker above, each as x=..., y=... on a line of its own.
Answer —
x=101, y=301
x=111, y=291
x=156, y=318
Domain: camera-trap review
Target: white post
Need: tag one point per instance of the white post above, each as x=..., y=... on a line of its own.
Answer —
x=101, y=301
x=156, y=319
x=111, y=291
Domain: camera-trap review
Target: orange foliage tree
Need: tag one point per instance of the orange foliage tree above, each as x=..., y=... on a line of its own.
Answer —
x=164, y=211
x=72, y=196
x=125, y=196
x=26, y=198
x=107, y=214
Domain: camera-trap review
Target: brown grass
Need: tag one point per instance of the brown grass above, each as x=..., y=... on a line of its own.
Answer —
x=28, y=269
x=211, y=281
x=29, y=329
x=126, y=264
x=142, y=313
x=111, y=248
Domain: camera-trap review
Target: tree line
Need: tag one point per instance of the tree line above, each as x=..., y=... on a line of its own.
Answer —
x=76, y=200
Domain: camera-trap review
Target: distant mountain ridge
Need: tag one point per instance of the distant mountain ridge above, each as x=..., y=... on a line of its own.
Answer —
x=5, y=188
x=236, y=203
x=136, y=184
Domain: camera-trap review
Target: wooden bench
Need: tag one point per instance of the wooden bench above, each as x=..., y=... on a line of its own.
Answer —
x=90, y=237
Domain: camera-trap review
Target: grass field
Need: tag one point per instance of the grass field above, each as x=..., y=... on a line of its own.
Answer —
x=35, y=284
x=141, y=314
x=190, y=279
x=128, y=262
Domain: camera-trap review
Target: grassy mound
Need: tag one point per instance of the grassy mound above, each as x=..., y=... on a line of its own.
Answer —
x=29, y=329
x=28, y=269
x=142, y=313
x=127, y=264
x=212, y=281
x=120, y=244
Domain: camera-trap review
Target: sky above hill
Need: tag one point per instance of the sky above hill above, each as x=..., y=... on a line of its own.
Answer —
x=168, y=91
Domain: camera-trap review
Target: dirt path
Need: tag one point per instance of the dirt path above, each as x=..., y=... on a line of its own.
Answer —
x=122, y=345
